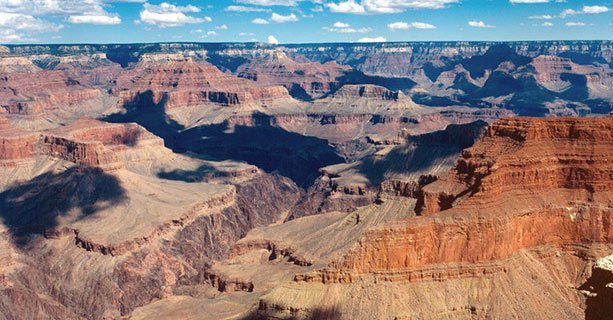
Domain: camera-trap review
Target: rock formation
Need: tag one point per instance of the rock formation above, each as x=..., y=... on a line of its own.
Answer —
x=530, y=185
x=177, y=81
x=304, y=80
x=313, y=181
x=27, y=89
x=15, y=143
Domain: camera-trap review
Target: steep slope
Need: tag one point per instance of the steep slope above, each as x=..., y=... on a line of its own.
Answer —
x=304, y=80
x=101, y=220
x=178, y=81
x=533, y=215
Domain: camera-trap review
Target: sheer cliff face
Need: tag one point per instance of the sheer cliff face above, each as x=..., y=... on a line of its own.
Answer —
x=305, y=80
x=571, y=78
x=524, y=214
x=179, y=82
x=528, y=183
x=321, y=181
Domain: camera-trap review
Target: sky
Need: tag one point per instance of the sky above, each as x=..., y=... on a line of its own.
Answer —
x=301, y=21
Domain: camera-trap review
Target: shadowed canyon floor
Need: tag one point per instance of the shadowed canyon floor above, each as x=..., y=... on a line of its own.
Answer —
x=332, y=181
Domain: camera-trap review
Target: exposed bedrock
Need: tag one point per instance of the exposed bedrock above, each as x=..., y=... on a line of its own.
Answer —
x=15, y=144
x=180, y=82
x=35, y=92
x=172, y=259
x=534, y=182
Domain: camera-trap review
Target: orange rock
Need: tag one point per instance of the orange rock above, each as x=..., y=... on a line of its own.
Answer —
x=529, y=182
x=185, y=82
x=15, y=143
x=31, y=93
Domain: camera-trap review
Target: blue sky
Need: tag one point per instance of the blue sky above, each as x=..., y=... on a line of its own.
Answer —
x=301, y=21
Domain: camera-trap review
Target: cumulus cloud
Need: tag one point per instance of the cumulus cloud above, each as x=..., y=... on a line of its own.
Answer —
x=23, y=19
x=339, y=24
x=377, y=39
x=245, y=9
x=341, y=27
x=349, y=6
x=222, y=27
x=287, y=3
x=94, y=19
x=259, y=21
x=272, y=40
x=575, y=24
x=479, y=24
x=594, y=9
x=170, y=15
x=401, y=25
x=585, y=10
x=385, y=6
x=277, y=18
x=541, y=17
x=16, y=27
x=544, y=24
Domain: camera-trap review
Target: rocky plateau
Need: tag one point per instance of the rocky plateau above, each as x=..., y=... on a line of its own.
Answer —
x=447, y=180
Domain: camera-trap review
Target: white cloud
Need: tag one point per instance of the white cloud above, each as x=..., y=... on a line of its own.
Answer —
x=479, y=24
x=377, y=39
x=544, y=24
x=398, y=26
x=594, y=9
x=422, y=25
x=76, y=11
x=585, y=10
x=541, y=17
x=24, y=22
x=317, y=9
x=20, y=27
x=401, y=25
x=341, y=27
x=94, y=19
x=287, y=3
x=349, y=6
x=259, y=21
x=245, y=9
x=339, y=24
x=211, y=33
x=575, y=24
x=53, y=7
x=277, y=18
x=169, y=15
x=385, y=6
x=222, y=27
x=272, y=40
x=246, y=34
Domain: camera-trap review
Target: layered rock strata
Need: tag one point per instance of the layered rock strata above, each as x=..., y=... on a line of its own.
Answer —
x=180, y=82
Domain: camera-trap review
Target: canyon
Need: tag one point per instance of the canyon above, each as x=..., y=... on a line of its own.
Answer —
x=447, y=180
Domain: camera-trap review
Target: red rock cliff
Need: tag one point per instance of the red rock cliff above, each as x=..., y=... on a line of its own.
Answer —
x=186, y=82
x=530, y=182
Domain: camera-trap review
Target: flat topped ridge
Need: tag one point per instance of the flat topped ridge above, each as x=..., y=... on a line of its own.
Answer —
x=163, y=58
x=368, y=91
x=529, y=128
x=91, y=130
x=7, y=130
x=17, y=64
x=505, y=195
